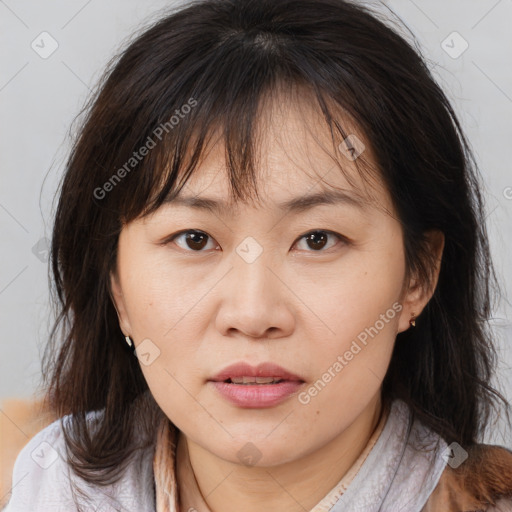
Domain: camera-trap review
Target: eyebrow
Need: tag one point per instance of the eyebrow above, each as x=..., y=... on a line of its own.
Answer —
x=297, y=204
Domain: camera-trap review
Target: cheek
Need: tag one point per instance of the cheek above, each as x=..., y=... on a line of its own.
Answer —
x=361, y=290
x=164, y=306
x=361, y=309
x=349, y=369
x=158, y=295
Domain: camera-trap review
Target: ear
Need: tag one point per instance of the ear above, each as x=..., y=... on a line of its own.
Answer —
x=417, y=294
x=116, y=294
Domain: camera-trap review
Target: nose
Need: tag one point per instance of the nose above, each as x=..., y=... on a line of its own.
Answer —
x=255, y=302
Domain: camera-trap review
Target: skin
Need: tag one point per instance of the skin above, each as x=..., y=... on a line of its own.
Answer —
x=296, y=305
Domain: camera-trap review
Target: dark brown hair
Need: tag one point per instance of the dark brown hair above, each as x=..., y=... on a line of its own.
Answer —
x=227, y=56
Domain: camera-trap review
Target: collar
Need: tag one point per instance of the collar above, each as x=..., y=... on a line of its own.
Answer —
x=380, y=479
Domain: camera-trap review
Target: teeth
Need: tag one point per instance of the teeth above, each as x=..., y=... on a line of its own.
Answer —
x=254, y=380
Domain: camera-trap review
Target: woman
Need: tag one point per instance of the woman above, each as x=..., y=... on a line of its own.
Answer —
x=271, y=204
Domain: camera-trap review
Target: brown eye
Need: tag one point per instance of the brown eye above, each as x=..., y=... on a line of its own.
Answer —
x=317, y=240
x=196, y=241
x=192, y=240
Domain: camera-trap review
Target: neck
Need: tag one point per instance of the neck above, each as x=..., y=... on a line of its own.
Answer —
x=295, y=486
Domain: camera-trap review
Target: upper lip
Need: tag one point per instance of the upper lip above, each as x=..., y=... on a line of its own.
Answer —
x=262, y=370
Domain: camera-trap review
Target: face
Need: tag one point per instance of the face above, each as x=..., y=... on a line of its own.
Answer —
x=318, y=290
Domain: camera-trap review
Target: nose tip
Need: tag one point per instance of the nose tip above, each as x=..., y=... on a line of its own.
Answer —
x=255, y=309
x=261, y=334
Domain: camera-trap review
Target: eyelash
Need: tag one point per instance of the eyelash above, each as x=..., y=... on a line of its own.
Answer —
x=341, y=238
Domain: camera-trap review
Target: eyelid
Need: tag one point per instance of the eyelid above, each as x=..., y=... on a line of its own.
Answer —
x=170, y=238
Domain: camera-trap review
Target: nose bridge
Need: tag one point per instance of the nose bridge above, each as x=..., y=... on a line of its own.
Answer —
x=252, y=275
x=253, y=303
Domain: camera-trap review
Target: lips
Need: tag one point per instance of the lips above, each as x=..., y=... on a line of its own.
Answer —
x=262, y=386
x=243, y=373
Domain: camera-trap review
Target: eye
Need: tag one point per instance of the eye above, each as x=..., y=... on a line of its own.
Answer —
x=192, y=239
x=317, y=239
x=196, y=240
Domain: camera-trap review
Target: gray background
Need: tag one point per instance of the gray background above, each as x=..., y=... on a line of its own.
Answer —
x=39, y=98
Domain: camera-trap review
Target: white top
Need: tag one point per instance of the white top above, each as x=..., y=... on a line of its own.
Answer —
x=42, y=479
x=393, y=478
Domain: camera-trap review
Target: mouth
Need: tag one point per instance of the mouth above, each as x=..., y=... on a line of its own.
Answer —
x=266, y=385
x=246, y=374
x=248, y=381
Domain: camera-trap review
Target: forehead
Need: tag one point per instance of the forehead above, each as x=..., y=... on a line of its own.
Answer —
x=297, y=162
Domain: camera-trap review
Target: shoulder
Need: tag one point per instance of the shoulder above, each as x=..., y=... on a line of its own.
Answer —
x=40, y=472
x=482, y=482
x=43, y=481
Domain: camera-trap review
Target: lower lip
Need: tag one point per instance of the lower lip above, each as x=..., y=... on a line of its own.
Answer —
x=257, y=395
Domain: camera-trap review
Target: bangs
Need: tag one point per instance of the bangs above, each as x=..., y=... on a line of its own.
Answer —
x=229, y=95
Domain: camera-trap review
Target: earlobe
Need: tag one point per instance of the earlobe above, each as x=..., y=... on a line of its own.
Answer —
x=419, y=293
x=413, y=303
